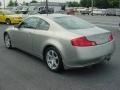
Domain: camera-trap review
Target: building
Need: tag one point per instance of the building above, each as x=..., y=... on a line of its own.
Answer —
x=55, y=5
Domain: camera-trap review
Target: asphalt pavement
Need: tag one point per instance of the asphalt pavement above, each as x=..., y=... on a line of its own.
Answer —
x=107, y=22
x=21, y=71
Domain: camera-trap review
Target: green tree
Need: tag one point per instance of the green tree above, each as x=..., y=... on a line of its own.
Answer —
x=11, y=3
x=73, y=4
x=113, y=3
x=34, y=1
x=85, y=3
x=101, y=3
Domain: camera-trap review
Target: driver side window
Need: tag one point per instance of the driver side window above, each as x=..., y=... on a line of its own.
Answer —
x=31, y=23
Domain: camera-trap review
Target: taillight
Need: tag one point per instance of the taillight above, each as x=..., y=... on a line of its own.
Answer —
x=110, y=38
x=82, y=42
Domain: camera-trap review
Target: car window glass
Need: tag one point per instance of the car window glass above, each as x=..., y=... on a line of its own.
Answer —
x=43, y=25
x=67, y=23
x=31, y=22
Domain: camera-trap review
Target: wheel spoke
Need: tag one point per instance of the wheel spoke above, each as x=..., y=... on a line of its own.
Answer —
x=55, y=63
x=52, y=64
x=49, y=54
x=56, y=57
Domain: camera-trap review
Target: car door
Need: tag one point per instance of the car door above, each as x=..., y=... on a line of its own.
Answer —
x=23, y=35
x=40, y=36
x=2, y=17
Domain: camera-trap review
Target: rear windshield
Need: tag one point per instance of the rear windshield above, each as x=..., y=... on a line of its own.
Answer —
x=73, y=23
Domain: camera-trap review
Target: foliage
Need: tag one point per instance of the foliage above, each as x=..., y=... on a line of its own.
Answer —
x=85, y=3
x=11, y=3
x=113, y=3
x=100, y=3
x=33, y=1
x=73, y=4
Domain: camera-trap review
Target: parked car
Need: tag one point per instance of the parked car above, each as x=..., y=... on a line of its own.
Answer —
x=111, y=12
x=62, y=41
x=29, y=13
x=70, y=11
x=99, y=12
x=60, y=12
x=42, y=10
x=85, y=11
x=9, y=17
x=117, y=12
x=25, y=9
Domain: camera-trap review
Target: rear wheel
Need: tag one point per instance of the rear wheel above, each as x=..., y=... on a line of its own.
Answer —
x=8, y=22
x=53, y=59
x=7, y=41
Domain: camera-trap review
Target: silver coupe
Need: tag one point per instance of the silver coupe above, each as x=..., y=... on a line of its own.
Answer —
x=62, y=41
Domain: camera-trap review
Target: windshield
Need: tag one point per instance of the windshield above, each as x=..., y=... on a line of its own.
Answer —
x=8, y=13
x=71, y=22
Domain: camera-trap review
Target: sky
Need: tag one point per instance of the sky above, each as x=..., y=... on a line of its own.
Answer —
x=20, y=1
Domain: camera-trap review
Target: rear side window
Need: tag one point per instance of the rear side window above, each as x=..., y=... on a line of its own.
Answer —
x=43, y=25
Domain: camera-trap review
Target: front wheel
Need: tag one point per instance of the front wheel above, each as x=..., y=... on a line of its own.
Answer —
x=7, y=41
x=53, y=59
x=8, y=22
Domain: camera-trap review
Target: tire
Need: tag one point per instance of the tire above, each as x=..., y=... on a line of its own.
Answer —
x=8, y=22
x=53, y=59
x=7, y=41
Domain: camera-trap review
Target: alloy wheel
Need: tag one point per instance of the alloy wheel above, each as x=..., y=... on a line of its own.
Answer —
x=7, y=41
x=52, y=59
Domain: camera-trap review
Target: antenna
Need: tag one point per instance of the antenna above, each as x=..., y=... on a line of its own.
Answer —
x=47, y=7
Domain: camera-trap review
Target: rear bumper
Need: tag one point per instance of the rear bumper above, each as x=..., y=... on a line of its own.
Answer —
x=85, y=56
x=78, y=63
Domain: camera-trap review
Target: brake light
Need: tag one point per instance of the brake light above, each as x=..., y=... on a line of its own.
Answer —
x=82, y=42
x=110, y=37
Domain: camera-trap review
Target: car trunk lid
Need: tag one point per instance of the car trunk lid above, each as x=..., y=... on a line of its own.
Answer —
x=98, y=35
